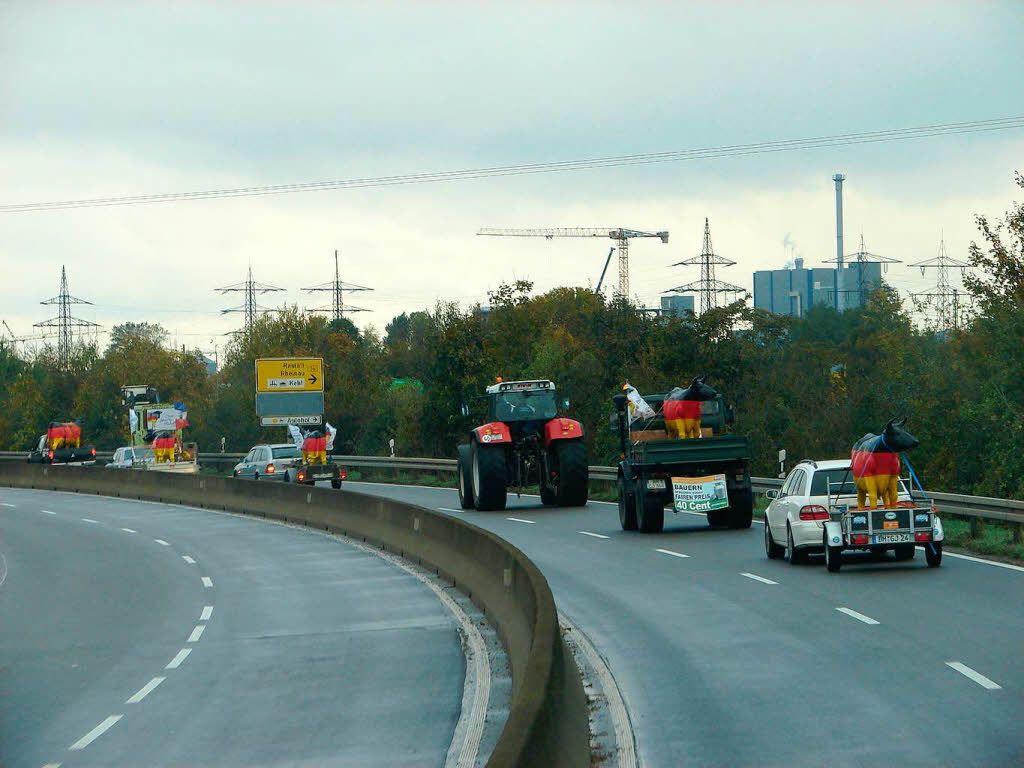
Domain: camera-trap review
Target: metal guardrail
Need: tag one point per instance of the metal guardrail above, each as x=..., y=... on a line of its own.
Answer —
x=984, y=507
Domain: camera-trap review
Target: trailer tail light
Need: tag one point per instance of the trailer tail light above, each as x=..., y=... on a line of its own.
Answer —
x=302, y=476
x=859, y=539
x=51, y=455
x=344, y=474
x=270, y=469
x=93, y=451
x=923, y=536
x=813, y=512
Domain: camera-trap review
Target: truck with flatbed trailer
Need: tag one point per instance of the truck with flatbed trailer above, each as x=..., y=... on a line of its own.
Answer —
x=62, y=444
x=708, y=474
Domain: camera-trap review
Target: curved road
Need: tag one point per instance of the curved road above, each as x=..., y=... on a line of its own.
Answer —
x=727, y=658
x=148, y=634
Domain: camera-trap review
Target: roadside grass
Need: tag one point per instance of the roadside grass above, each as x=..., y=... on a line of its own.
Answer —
x=992, y=538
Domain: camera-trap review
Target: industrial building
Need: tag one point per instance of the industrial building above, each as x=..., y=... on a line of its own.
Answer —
x=794, y=291
x=678, y=305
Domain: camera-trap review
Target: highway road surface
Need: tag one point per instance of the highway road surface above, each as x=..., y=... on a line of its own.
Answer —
x=726, y=658
x=136, y=634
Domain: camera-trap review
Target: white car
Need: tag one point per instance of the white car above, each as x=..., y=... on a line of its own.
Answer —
x=125, y=457
x=797, y=511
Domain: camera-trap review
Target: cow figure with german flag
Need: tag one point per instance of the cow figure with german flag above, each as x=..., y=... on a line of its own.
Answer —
x=875, y=463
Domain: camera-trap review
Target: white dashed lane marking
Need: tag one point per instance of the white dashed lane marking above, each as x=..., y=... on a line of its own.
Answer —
x=48, y=512
x=5, y=504
x=595, y=535
x=670, y=552
x=207, y=582
x=446, y=509
x=762, y=579
x=129, y=530
x=977, y=677
x=145, y=690
x=520, y=520
x=207, y=613
x=95, y=733
x=188, y=559
x=179, y=657
x=196, y=633
x=161, y=542
x=857, y=616
x=89, y=520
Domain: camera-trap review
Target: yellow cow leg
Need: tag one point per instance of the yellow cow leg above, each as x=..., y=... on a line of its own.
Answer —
x=892, y=491
x=871, y=485
x=862, y=494
x=674, y=428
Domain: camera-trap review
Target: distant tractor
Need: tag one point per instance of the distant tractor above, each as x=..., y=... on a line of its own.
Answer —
x=524, y=442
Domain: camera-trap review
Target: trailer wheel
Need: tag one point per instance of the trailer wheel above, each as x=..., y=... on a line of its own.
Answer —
x=627, y=507
x=904, y=552
x=548, y=496
x=833, y=558
x=719, y=518
x=573, y=473
x=651, y=513
x=463, y=465
x=336, y=483
x=933, y=553
x=489, y=483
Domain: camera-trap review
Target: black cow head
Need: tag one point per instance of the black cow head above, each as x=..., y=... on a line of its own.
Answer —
x=897, y=438
x=698, y=390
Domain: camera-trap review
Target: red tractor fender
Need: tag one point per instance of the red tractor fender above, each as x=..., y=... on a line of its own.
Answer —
x=490, y=434
x=562, y=429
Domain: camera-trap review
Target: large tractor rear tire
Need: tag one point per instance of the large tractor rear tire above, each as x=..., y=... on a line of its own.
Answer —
x=464, y=466
x=573, y=473
x=489, y=482
x=741, y=509
x=651, y=513
x=627, y=506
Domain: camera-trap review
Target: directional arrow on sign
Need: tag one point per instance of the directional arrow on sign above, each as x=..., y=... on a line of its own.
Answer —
x=312, y=378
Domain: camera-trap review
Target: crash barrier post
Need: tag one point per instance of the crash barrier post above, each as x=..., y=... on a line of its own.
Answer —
x=547, y=722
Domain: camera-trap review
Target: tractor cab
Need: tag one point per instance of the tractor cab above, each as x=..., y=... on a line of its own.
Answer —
x=524, y=405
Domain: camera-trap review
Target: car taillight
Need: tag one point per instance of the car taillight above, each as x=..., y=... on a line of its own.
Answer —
x=923, y=536
x=270, y=469
x=859, y=539
x=813, y=512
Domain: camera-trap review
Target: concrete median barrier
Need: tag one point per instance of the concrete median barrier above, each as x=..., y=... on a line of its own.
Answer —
x=548, y=720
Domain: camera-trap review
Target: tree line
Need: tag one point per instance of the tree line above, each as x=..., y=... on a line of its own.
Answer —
x=811, y=385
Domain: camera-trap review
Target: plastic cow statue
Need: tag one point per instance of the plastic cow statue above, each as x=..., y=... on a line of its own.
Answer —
x=876, y=463
x=681, y=408
x=163, y=447
x=314, y=448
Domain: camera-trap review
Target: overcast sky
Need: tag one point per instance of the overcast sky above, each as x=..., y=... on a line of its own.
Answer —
x=100, y=99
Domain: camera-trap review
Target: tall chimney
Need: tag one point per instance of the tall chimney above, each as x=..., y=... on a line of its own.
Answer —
x=838, y=179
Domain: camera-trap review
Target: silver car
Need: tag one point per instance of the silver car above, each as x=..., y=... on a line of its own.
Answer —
x=126, y=457
x=268, y=462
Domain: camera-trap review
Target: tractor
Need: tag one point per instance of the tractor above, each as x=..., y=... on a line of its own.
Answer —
x=524, y=442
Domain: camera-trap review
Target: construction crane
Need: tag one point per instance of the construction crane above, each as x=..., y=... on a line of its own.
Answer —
x=620, y=235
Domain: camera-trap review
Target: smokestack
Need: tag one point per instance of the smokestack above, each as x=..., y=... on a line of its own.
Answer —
x=838, y=179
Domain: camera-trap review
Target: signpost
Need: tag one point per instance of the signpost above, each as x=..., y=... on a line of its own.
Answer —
x=290, y=390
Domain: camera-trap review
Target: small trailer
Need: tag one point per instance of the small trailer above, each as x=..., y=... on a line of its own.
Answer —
x=912, y=523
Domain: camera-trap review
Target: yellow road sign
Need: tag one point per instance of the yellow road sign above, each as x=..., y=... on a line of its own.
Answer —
x=290, y=374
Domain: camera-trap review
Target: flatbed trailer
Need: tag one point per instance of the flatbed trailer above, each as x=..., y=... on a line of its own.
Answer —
x=708, y=475
x=903, y=528
x=311, y=474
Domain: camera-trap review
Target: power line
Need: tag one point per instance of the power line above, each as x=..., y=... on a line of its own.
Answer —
x=337, y=289
x=645, y=158
x=64, y=322
x=250, y=308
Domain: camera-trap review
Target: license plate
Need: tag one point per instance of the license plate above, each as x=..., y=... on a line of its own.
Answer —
x=892, y=538
x=322, y=477
x=657, y=484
